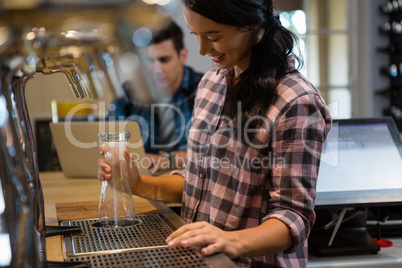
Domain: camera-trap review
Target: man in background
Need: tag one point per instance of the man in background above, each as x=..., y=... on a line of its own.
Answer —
x=164, y=124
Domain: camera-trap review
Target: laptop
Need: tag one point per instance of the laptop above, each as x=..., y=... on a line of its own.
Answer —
x=77, y=145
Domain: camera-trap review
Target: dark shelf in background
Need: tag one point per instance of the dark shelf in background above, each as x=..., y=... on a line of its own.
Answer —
x=392, y=29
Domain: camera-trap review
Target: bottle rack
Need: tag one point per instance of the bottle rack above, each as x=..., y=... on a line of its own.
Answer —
x=392, y=29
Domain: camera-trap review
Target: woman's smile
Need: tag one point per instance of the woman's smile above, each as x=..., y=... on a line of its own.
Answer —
x=217, y=59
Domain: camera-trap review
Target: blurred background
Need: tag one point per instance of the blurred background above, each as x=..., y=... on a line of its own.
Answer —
x=340, y=40
x=346, y=57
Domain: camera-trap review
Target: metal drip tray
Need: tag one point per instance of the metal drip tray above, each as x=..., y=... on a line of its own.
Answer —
x=139, y=245
x=153, y=257
x=150, y=231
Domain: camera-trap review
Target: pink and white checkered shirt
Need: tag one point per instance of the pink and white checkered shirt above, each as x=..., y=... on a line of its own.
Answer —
x=236, y=184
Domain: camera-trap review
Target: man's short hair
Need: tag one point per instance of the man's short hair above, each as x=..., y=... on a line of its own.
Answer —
x=170, y=31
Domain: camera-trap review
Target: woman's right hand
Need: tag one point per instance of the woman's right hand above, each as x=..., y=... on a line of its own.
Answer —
x=105, y=170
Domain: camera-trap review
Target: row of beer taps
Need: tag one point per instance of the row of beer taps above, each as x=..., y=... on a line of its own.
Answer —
x=88, y=41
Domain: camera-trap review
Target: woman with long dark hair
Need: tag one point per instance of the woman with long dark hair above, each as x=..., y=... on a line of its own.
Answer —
x=254, y=146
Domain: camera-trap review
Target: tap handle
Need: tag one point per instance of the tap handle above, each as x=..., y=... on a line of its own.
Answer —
x=73, y=264
x=61, y=230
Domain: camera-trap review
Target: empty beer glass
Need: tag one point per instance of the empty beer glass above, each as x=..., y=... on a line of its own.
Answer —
x=116, y=204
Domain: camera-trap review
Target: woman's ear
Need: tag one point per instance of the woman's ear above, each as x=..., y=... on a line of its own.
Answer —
x=260, y=34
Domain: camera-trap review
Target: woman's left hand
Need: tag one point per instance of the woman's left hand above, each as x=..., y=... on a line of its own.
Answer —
x=210, y=238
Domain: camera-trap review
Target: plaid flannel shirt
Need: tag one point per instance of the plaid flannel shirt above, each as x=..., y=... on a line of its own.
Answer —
x=237, y=184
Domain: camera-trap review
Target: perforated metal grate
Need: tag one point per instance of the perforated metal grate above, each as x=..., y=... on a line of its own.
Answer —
x=150, y=231
x=155, y=257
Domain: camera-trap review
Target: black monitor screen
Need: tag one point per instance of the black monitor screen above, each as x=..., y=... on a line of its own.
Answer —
x=361, y=164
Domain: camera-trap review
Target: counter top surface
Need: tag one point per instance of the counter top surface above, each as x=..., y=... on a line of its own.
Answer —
x=59, y=189
x=71, y=199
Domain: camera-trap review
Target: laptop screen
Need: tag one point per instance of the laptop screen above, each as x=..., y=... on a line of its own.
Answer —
x=361, y=164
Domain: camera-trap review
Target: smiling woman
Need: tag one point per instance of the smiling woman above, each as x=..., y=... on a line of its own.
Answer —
x=254, y=146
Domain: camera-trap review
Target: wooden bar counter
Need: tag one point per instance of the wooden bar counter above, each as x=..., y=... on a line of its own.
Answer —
x=71, y=199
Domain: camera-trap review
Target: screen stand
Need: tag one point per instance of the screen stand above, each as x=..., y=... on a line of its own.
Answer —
x=346, y=234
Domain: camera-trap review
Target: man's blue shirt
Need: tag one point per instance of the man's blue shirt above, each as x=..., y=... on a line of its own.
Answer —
x=146, y=115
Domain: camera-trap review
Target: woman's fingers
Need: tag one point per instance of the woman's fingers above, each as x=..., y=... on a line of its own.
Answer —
x=207, y=236
x=104, y=170
x=127, y=155
x=187, y=235
x=103, y=165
